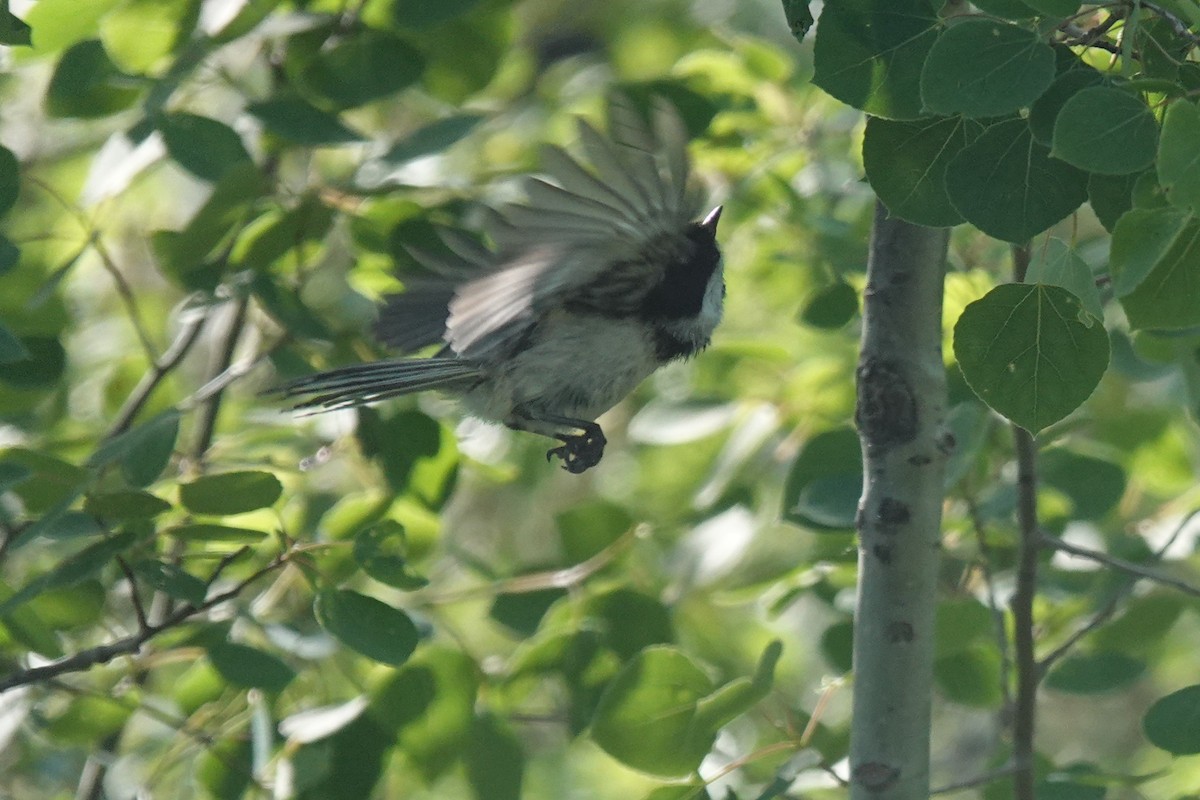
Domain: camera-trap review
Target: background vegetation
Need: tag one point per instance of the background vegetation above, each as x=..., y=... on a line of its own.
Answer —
x=204, y=596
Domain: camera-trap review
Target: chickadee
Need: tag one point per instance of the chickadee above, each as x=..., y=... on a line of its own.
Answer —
x=600, y=278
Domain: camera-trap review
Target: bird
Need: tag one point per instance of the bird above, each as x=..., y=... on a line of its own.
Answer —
x=605, y=272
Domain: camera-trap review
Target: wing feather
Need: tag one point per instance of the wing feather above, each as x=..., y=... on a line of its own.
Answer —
x=587, y=231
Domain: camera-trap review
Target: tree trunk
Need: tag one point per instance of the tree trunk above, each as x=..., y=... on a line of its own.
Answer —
x=901, y=421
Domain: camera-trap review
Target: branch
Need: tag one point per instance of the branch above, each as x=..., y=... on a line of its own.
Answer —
x=1110, y=608
x=222, y=358
x=1028, y=674
x=131, y=644
x=1025, y=705
x=163, y=366
x=1129, y=567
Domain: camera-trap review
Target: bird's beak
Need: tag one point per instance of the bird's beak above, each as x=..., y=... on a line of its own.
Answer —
x=710, y=222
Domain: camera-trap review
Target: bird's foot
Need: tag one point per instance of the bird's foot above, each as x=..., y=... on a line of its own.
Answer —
x=580, y=452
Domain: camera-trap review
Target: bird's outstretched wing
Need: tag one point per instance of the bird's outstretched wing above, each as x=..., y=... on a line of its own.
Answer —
x=590, y=236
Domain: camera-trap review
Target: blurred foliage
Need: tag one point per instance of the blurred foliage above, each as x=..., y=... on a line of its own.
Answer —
x=203, y=198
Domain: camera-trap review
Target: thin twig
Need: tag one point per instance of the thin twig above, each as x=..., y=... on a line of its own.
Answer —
x=125, y=292
x=1025, y=659
x=222, y=358
x=225, y=561
x=1179, y=26
x=1119, y=563
x=130, y=645
x=163, y=366
x=550, y=579
x=134, y=596
x=1105, y=613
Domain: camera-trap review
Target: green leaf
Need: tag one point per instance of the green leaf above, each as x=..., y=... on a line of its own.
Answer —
x=1095, y=672
x=89, y=719
x=799, y=18
x=249, y=668
x=825, y=482
x=188, y=255
x=1166, y=298
x=231, y=492
x=494, y=759
x=398, y=442
x=10, y=254
x=1044, y=111
x=204, y=147
x=962, y=623
x=10, y=179
x=1094, y=485
x=87, y=84
x=11, y=348
x=1054, y=263
x=140, y=34
x=837, y=645
x=123, y=505
x=522, y=612
x=970, y=676
x=423, y=14
x=58, y=24
x=1141, y=240
x=869, y=54
x=1111, y=196
x=831, y=307
x=1008, y=9
x=42, y=369
x=985, y=68
x=632, y=620
x=1055, y=8
x=1007, y=185
x=382, y=552
x=225, y=769
x=280, y=232
x=661, y=715
x=84, y=564
x=364, y=67
x=433, y=138
x=430, y=705
x=142, y=451
x=1179, y=155
x=300, y=122
x=173, y=580
x=367, y=625
x=906, y=165
x=587, y=528
x=216, y=533
x=1030, y=352
x=1106, y=131
x=1170, y=723
x=13, y=30
x=1143, y=627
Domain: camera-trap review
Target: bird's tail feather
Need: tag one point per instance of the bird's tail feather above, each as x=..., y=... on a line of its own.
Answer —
x=366, y=383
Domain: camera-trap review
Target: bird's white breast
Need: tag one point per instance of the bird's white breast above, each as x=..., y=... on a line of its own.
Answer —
x=576, y=365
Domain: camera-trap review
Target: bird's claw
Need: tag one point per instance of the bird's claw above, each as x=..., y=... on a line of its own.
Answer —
x=579, y=452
